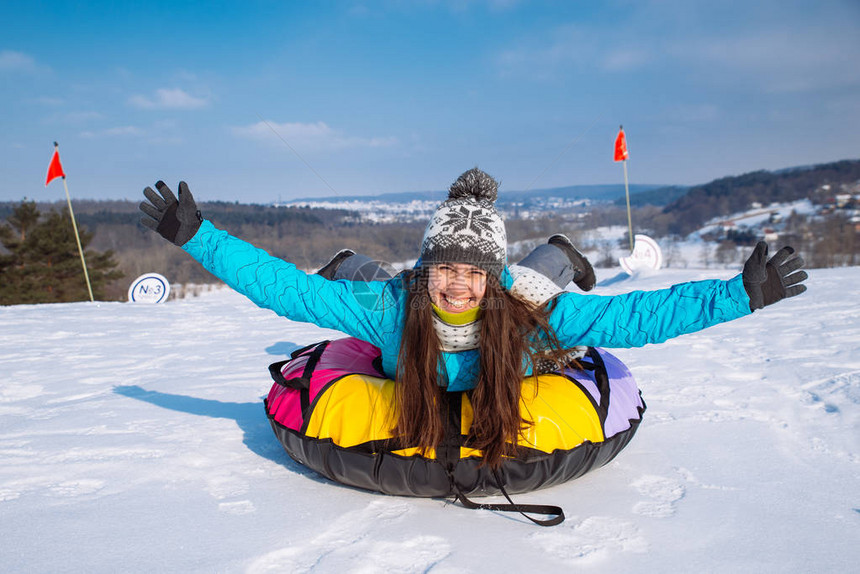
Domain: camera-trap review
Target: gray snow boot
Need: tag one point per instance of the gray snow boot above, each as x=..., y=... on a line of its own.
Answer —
x=329, y=269
x=352, y=266
x=561, y=262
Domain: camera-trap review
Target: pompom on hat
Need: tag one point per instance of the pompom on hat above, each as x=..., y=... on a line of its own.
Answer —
x=466, y=228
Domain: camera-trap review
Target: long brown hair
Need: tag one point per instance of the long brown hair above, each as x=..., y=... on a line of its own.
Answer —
x=511, y=331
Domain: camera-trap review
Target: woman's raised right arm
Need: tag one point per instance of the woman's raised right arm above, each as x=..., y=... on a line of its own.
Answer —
x=275, y=284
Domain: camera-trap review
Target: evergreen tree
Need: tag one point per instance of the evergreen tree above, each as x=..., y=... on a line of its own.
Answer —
x=24, y=218
x=43, y=264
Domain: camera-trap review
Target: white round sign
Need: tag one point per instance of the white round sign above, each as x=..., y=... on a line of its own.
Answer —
x=149, y=288
x=646, y=255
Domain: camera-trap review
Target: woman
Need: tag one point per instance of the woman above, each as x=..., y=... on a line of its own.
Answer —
x=455, y=322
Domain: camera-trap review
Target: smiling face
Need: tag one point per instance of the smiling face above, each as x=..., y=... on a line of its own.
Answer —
x=456, y=287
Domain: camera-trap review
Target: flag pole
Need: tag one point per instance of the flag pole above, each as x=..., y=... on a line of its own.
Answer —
x=629, y=218
x=75, y=227
x=621, y=155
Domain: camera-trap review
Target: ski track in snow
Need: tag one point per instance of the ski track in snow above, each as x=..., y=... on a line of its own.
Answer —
x=662, y=495
x=127, y=428
x=592, y=540
x=350, y=538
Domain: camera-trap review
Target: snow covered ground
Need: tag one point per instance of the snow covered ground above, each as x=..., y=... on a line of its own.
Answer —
x=133, y=439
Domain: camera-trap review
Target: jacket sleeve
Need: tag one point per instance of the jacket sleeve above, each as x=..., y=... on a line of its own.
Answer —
x=641, y=317
x=367, y=311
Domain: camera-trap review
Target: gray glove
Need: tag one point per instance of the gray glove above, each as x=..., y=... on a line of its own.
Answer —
x=176, y=220
x=767, y=283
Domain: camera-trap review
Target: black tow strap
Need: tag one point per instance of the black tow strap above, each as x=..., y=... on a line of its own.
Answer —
x=545, y=509
x=448, y=454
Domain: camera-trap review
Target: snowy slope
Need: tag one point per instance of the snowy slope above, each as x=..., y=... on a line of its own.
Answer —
x=133, y=439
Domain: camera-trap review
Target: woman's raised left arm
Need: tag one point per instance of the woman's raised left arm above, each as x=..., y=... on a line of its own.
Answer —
x=641, y=317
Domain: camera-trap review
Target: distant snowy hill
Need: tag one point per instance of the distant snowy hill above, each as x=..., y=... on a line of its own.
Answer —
x=133, y=439
x=606, y=192
x=739, y=193
x=419, y=206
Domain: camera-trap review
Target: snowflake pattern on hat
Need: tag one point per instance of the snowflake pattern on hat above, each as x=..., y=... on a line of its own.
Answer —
x=466, y=228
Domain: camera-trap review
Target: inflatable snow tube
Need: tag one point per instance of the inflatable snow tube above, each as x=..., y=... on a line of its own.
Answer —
x=333, y=410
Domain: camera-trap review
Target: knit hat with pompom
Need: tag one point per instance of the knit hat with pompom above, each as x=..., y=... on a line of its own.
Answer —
x=466, y=228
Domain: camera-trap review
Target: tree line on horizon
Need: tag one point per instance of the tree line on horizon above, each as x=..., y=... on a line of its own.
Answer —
x=39, y=260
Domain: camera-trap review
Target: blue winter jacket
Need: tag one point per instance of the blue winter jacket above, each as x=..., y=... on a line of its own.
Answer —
x=374, y=312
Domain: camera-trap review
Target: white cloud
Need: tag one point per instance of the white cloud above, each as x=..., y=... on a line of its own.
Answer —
x=16, y=62
x=78, y=118
x=621, y=60
x=784, y=59
x=696, y=113
x=49, y=101
x=119, y=131
x=768, y=46
x=573, y=48
x=168, y=99
x=159, y=133
x=81, y=117
x=311, y=136
x=124, y=131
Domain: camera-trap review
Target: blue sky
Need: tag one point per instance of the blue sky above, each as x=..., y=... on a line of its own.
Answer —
x=394, y=96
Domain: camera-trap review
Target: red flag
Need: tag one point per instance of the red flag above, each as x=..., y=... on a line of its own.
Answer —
x=620, y=146
x=55, y=170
